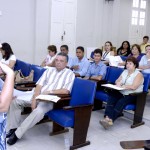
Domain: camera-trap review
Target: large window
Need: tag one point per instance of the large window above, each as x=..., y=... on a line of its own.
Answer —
x=138, y=12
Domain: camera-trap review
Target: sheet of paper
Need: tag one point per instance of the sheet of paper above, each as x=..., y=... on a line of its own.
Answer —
x=52, y=98
x=113, y=86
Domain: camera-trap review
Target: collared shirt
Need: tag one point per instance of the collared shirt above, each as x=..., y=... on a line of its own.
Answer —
x=52, y=79
x=144, y=62
x=70, y=59
x=83, y=65
x=142, y=46
x=3, y=131
x=97, y=70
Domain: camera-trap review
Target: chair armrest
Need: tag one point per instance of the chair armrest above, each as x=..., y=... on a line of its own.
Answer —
x=23, y=88
x=137, y=94
x=76, y=107
x=63, y=96
x=26, y=83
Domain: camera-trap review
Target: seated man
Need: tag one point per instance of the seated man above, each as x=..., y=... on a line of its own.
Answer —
x=55, y=80
x=144, y=44
x=64, y=49
x=97, y=70
x=80, y=64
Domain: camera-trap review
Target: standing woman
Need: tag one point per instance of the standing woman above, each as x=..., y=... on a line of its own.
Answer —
x=107, y=52
x=5, y=100
x=8, y=56
x=124, y=49
x=132, y=81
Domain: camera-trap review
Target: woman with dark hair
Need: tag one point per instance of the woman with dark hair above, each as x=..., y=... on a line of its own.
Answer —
x=135, y=52
x=8, y=56
x=124, y=49
x=132, y=81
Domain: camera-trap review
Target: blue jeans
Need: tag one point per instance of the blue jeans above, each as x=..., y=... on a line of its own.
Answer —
x=116, y=103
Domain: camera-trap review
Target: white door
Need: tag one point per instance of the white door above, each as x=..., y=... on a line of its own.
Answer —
x=63, y=24
x=138, y=21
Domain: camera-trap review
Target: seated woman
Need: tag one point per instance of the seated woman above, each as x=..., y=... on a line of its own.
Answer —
x=145, y=61
x=124, y=49
x=96, y=70
x=132, y=81
x=108, y=51
x=135, y=52
x=8, y=56
x=49, y=60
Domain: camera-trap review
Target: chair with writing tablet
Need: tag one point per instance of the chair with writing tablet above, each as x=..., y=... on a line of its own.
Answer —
x=138, y=107
x=77, y=114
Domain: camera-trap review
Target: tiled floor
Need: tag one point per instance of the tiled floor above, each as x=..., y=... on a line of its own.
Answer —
x=37, y=138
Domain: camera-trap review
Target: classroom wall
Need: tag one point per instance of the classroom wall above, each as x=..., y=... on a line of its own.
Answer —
x=25, y=25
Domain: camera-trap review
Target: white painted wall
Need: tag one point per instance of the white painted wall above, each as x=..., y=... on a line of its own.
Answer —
x=17, y=26
x=25, y=25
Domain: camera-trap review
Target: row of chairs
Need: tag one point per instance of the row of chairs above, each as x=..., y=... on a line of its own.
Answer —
x=77, y=114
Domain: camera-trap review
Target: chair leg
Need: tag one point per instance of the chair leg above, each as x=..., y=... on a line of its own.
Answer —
x=57, y=129
x=138, y=114
x=82, y=119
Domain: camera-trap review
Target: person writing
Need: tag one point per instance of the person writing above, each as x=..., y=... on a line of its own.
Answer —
x=132, y=81
x=55, y=80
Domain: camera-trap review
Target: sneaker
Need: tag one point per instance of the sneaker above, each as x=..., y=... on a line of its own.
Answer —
x=106, y=124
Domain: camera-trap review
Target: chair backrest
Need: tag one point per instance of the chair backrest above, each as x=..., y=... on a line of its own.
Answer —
x=23, y=66
x=113, y=74
x=38, y=71
x=123, y=57
x=146, y=81
x=83, y=92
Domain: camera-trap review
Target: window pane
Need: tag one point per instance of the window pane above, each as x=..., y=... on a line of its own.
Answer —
x=135, y=13
x=142, y=14
x=143, y=4
x=136, y=3
x=134, y=21
x=141, y=22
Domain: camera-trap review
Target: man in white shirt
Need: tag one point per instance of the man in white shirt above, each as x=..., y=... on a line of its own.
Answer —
x=55, y=80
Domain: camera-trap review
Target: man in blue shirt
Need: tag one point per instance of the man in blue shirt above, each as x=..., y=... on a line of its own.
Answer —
x=64, y=49
x=80, y=64
x=97, y=70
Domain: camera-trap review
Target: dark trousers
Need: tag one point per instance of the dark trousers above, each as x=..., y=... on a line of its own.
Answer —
x=116, y=103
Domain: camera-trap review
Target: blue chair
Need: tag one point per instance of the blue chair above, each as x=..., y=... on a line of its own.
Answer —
x=78, y=114
x=112, y=75
x=138, y=108
x=38, y=71
x=23, y=66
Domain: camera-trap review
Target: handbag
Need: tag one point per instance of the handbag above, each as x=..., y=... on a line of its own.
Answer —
x=20, y=78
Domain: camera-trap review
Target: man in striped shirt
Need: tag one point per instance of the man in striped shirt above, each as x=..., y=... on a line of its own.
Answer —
x=55, y=80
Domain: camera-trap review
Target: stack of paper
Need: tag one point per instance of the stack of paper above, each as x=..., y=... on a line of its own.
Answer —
x=113, y=86
x=51, y=98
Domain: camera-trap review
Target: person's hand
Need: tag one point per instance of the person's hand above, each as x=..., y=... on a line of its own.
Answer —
x=46, y=92
x=119, y=84
x=76, y=67
x=34, y=104
x=4, y=68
